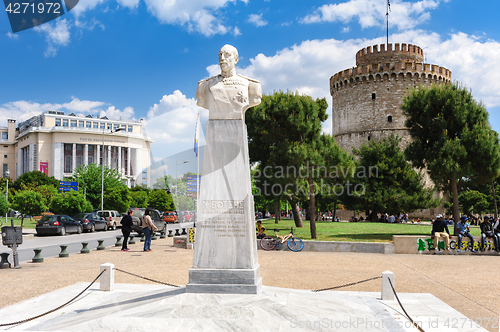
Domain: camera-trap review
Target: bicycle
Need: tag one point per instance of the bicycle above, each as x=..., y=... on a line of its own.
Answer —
x=293, y=243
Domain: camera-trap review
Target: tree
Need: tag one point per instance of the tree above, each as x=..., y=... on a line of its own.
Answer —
x=90, y=176
x=139, y=199
x=46, y=190
x=284, y=133
x=160, y=200
x=4, y=206
x=28, y=203
x=451, y=136
x=70, y=203
x=390, y=184
x=35, y=177
x=472, y=201
x=117, y=198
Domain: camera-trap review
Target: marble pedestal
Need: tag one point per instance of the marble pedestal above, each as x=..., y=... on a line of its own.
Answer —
x=225, y=251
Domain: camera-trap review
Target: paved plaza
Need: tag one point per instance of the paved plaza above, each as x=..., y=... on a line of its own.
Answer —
x=434, y=289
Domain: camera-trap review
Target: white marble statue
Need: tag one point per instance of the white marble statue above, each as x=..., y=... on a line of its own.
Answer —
x=225, y=251
x=227, y=96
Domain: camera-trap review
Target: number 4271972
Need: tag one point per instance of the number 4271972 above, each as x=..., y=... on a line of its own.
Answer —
x=40, y=8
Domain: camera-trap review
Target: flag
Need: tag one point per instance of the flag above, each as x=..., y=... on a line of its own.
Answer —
x=389, y=5
x=197, y=135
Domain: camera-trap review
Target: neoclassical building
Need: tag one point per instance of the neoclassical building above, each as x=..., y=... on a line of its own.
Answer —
x=56, y=144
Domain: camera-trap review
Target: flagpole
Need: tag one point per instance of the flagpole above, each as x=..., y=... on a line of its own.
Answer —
x=387, y=20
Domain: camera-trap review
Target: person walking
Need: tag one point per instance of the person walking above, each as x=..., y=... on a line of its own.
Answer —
x=147, y=227
x=126, y=229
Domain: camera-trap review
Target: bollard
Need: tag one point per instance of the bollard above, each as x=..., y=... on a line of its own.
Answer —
x=100, y=245
x=131, y=241
x=107, y=279
x=177, y=232
x=85, y=250
x=153, y=235
x=118, y=241
x=170, y=233
x=63, y=252
x=5, y=260
x=38, y=256
x=387, y=293
x=162, y=234
x=183, y=232
x=143, y=238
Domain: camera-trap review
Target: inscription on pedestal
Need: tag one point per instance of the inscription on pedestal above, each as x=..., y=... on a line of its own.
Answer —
x=223, y=207
x=226, y=225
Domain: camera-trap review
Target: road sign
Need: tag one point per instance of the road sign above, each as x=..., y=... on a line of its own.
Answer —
x=192, y=183
x=68, y=188
x=192, y=177
x=191, y=189
x=189, y=194
x=68, y=183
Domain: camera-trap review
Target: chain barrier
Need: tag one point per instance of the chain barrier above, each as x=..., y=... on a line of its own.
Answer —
x=138, y=276
x=346, y=285
x=401, y=305
x=53, y=310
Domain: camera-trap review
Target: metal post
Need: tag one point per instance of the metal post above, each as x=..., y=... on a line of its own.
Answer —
x=15, y=256
x=7, y=173
x=102, y=167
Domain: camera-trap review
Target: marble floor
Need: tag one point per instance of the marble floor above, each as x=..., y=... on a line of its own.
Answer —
x=135, y=307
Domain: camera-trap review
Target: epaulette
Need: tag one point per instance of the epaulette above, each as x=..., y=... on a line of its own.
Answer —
x=248, y=78
x=208, y=79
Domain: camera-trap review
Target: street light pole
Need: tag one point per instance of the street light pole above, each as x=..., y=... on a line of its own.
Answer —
x=7, y=173
x=102, y=164
x=176, y=180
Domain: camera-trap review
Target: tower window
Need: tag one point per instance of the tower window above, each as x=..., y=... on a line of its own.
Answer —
x=389, y=119
x=373, y=96
x=369, y=137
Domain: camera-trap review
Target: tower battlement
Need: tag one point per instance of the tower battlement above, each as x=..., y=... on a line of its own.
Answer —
x=379, y=54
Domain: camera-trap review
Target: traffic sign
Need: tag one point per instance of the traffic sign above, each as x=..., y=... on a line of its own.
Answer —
x=189, y=194
x=68, y=188
x=192, y=183
x=191, y=189
x=68, y=183
x=192, y=177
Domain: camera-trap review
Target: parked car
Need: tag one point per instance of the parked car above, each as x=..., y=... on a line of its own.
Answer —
x=185, y=216
x=170, y=217
x=91, y=222
x=58, y=224
x=137, y=214
x=112, y=217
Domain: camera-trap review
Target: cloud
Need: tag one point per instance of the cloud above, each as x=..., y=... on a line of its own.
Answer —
x=11, y=35
x=257, y=20
x=201, y=16
x=129, y=3
x=57, y=34
x=368, y=13
x=22, y=110
x=171, y=124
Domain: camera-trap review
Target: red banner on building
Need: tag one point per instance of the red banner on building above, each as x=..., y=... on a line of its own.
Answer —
x=44, y=167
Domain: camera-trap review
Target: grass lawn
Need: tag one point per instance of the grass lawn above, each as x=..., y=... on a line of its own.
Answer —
x=17, y=222
x=354, y=231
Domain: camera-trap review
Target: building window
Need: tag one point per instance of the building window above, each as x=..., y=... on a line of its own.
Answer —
x=129, y=129
x=58, y=122
x=81, y=124
x=389, y=119
x=5, y=135
x=5, y=168
x=373, y=96
x=65, y=122
x=67, y=164
x=5, y=156
x=109, y=126
x=79, y=161
x=116, y=126
x=78, y=148
x=73, y=123
x=95, y=125
x=369, y=138
x=89, y=124
x=90, y=160
x=102, y=125
x=68, y=147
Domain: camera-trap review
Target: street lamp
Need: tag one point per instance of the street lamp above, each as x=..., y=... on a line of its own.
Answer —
x=102, y=164
x=176, y=180
x=7, y=173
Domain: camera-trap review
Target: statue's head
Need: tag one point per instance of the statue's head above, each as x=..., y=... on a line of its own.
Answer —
x=228, y=57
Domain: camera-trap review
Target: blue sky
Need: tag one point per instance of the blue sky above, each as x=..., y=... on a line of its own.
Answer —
x=133, y=59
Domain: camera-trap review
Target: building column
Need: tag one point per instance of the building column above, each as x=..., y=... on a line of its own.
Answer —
x=98, y=154
x=86, y=154
x=120, y=160
x=108, y=163
x=57, y=160
x=73, y=160
x=19, y=162
x=138, y=166
x=128, y=167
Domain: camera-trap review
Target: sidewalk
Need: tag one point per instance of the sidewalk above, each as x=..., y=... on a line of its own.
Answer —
x=463, y=282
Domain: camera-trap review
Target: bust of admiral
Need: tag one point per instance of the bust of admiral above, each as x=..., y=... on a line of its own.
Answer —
x=227, y=96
